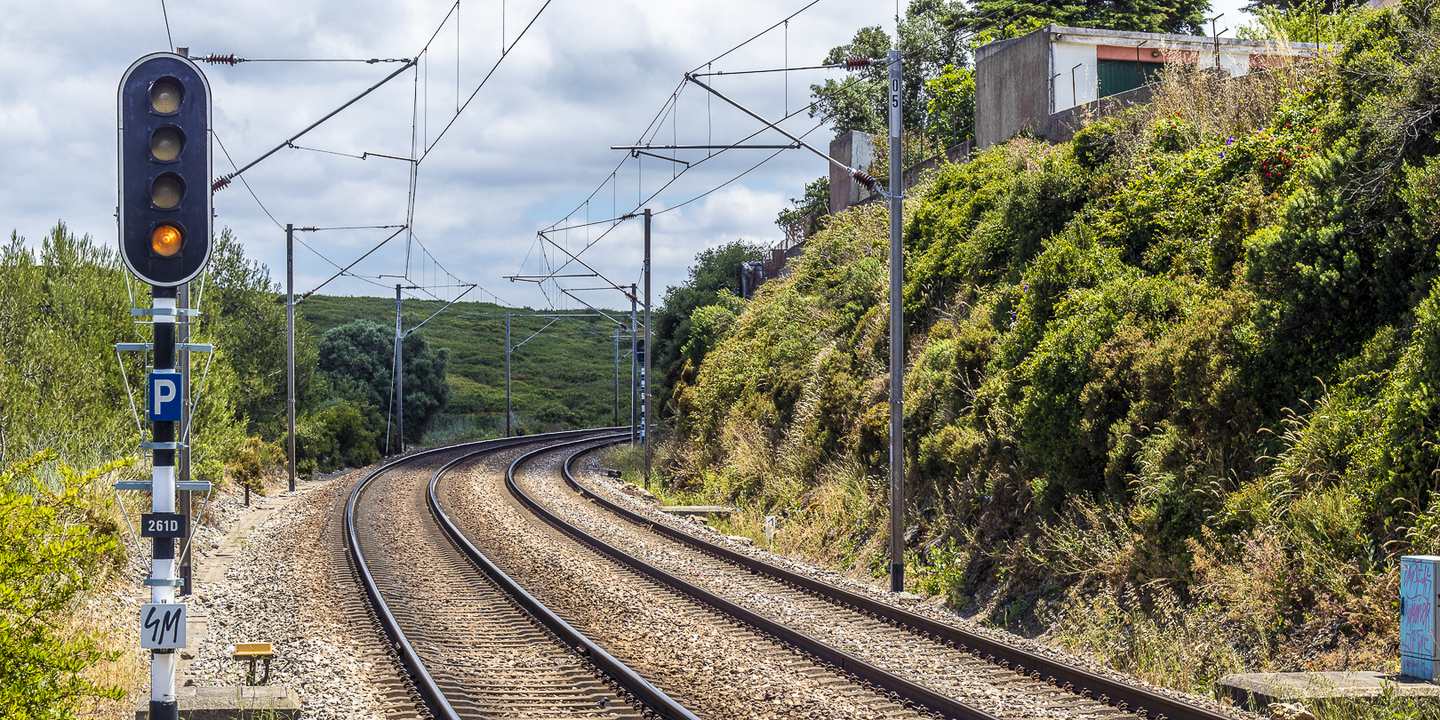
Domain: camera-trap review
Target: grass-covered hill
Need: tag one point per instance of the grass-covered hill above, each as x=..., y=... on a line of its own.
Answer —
x=563, y=378
x=1182, y=372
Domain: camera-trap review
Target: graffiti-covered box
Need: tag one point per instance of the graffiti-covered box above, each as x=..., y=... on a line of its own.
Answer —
x=1417, y=616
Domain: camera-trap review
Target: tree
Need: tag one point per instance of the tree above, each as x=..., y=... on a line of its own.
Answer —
x=816, y=202
x=1155, y=16
x=1328, y=7
x=715, y=269
x=930, y=38
x=244, y=316
x=358, y=357
x=951, y=112
x=1317, y=21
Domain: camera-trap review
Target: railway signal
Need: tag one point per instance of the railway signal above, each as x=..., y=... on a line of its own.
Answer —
x=165, y=226
x=165, y=196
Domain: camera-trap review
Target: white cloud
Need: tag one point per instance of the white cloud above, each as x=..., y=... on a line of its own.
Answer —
x=531, y=146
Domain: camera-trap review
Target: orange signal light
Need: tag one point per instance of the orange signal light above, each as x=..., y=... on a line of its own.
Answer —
x=165, y=240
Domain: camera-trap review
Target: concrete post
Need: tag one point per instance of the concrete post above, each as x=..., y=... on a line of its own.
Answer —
x=1417, y=616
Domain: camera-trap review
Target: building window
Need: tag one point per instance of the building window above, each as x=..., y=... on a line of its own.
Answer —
x=1117, y=76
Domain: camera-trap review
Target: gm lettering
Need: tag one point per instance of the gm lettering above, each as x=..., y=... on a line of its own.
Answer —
x=162, y=626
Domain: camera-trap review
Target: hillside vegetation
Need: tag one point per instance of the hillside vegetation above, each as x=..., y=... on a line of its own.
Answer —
x=564, y=378
x=1172, y=390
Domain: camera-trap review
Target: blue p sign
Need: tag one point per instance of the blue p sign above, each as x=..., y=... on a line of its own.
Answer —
x=163, y=394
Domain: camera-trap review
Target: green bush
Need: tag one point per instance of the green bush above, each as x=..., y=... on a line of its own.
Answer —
x=53, y=548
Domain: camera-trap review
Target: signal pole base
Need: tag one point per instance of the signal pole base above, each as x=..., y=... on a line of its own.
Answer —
x=897, y=577
x=164, y=710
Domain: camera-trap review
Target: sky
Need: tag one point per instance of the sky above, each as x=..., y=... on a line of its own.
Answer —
x=528, y=150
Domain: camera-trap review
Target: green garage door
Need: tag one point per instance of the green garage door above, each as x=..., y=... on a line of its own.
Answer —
x=1117, y=76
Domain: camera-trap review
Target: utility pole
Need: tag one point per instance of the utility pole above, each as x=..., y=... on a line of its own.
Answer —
x=507, y=374
x=617, y=378
x=645, y=379
x=290, y=343
x=897, y=337
x=634, y=334
x=399, y=376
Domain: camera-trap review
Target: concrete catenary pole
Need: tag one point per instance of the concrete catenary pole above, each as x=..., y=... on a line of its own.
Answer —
x=897, y=337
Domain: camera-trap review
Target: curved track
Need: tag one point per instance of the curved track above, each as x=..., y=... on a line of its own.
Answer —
x=474, y=643
x=929, y=652
x=443, y=541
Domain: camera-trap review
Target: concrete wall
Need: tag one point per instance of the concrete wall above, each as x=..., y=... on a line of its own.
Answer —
x=1022, y=82
x=1011, y=92
x=1063, y=125
x=857, y=150
x=1070, y=85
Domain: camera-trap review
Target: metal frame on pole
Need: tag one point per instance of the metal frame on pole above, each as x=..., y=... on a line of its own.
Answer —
x=183, y=496
x=290, y=343
x=897, y=336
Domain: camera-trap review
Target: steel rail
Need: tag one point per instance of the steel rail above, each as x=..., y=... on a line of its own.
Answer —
x=1127, y=698
x=908, y=691
x=431, y=694
x=653, y=698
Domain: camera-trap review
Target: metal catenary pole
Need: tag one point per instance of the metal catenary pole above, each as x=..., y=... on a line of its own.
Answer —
x=399, y=377
x=616, y=423
x=897, y=339
x=645, y=379
x=290, y=343
x=162, y=579
x=507, y=374
x=183, y=498
x=634, y=335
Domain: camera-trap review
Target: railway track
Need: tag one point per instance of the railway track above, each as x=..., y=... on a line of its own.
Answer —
x=437, y=537
x=475, y=645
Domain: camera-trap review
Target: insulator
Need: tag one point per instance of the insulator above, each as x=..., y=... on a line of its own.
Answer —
x=223, y=59
x=864, y=178
x=856, y=62
x=220, y=183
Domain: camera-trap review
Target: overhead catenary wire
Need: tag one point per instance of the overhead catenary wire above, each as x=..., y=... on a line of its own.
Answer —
x=233, y=59
x=166, y=15
x=505, y=52
x=224, y=180
x=804, y=108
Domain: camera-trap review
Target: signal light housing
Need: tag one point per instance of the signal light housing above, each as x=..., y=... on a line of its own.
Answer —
x=165, y=169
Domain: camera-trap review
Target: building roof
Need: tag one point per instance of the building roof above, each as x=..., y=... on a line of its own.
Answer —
x=1102, y=36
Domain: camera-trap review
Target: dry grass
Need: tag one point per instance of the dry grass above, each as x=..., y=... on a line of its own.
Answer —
x=1207, y=108
x=119, y=631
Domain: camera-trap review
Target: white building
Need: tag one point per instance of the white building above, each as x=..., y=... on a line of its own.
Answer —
x=1024, y=83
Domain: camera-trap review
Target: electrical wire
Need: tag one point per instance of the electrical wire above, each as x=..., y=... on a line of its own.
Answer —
x=758, y=35
x=493, y=68
x=243, y=181
x=743, y=174
x=166, y=14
